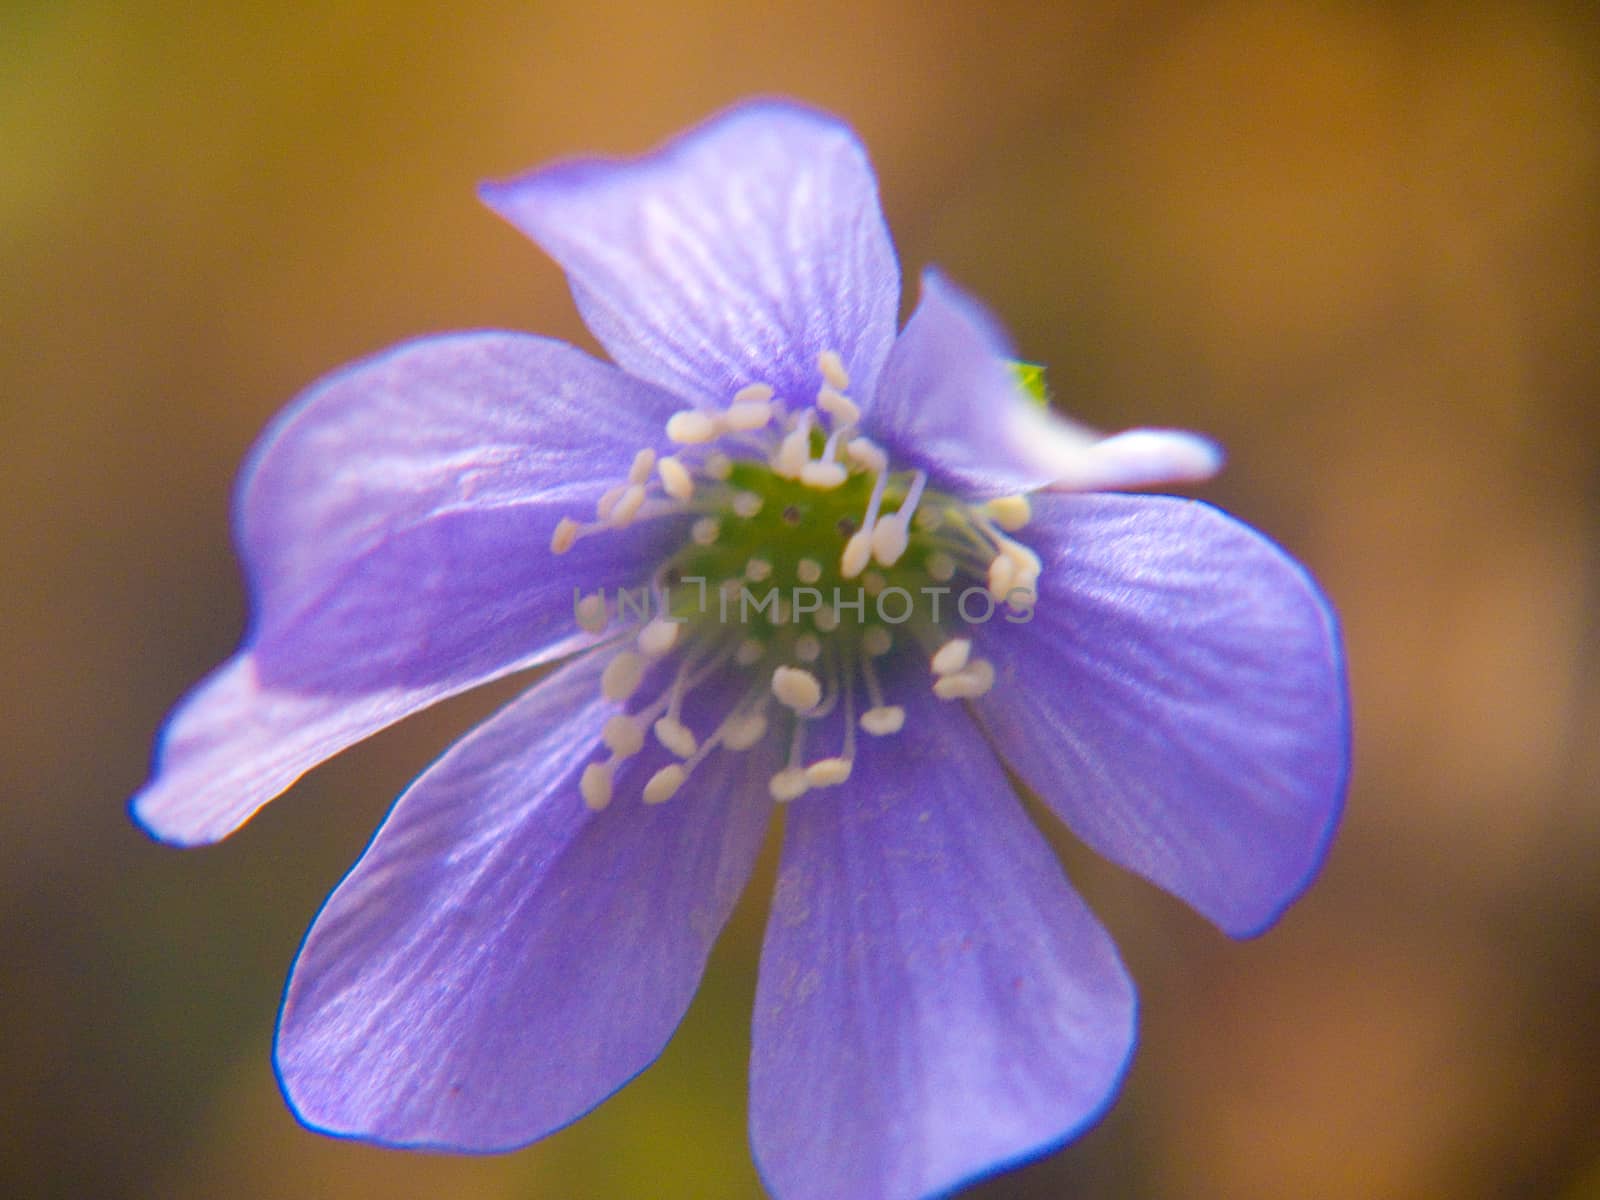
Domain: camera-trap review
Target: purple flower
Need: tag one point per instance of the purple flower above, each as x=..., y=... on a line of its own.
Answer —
x=782, y=557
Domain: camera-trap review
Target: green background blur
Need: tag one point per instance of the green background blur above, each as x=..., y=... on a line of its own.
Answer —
x=1358, y=243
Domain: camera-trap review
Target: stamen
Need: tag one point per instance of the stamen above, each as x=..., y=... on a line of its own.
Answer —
x=746, y=504
x=808, y=570
x=952, y=656
x=941, y=567
x=664, y=784
x=757, y=569
x=745, y=416
x=1002, y=574
x=607, y=503
x=753, y=393
x=883, y=720
x=749, y=652
x=595, y=786
x=692, y=428
x=877, y=641
x=675, y=478
x=807, y=647
x=865, y=453
x=893, y=534
x=826, y=772
x=858, y=550
x=832, y=368
x=789, y=784
x=826, y=620
x=622, y=676
x=744, y=730
x=823, y=475
x=794, y=452
x=837, y=405
x=718, y=466
x=642, y=462
x=565, y=535
x=704, y=531
x=796, y=688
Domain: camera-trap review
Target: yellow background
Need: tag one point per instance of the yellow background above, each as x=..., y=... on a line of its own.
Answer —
x=1357, y=243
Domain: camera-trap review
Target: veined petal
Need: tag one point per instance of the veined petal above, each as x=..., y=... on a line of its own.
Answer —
x=949, y=402
x=1179, y=699
x=395, y=528
x=734, y=254
x=502, y=958
x=935, y=1001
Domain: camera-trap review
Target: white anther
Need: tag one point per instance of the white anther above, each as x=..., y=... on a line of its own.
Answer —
x=884, y=720
x=828, y=772
x=642, y=462
x=622, y=735
x=751, y=393
x=877, y=641
x=825, y=619
x=796, y=688
x=746, y=415
x=857, y=554
x=951, y=656
x=622, y=676
x=1011, y=513
x=808, y=570
x=664, y=784
x=746, y=504
x=837, y=405
x=675, y=478
x=659, y=636
x=676, y=736
x=749, y=652
x=591, y=613
x=692, y=428
x=595, y=786
x=628, y=505
x=866, y=453
x=808, y=647
x=607, y=503
x=566, y=533
x=941, y=567
x=972, y=681
x=789, y=784
x=1002, y=574
x=794, y=452
x=704, y=531
x=757, y=569
x=717, y=466
x=1028, y=566
x=832, y=368
x=890, y=539
x=744, y=731
x=824, y=476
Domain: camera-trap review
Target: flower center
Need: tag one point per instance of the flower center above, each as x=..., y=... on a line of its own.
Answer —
x=813, y=580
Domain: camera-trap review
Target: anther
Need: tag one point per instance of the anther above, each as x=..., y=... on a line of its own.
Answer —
x=753, y=393
x=757, y=569
x=827, y=772
x=807, y=647
x=622, y=736
x=825, y=619
x=796, y=688
x=789, y=784
x=659, y=636
x=704, y=531
x=565, y=535
x=824, y=476
x=837, y=405
x=857, y=554
x=941, y=567
x=607, y=503
x=832, y=368
x=746, y=504
x=808, y=570
x=1011, y=513
x=664, y=784
x=743, y=731
x=642, y=462
x=622, y=676
x=970, y=682
x=866, y=453
x=877, y=641
x=749, y=652
x=890, y=539
x=628, y=504
x=951, y=656
x=794, y=452
x=718, y=466
x=676, y=736
x=675, y=478
x=595, y=786
x=691, y=427
x=1002, y=574
x=883, y=720
x=743, y=416
x=591, y=613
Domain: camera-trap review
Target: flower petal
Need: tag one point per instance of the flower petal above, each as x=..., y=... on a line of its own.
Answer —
x=935, y=1001
x=734, y=254
x=1178, y=698
x=502, y=958
x=949, y=403
x=395, y=528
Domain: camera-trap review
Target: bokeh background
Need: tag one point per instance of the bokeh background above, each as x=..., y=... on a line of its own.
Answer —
x=1358, y=243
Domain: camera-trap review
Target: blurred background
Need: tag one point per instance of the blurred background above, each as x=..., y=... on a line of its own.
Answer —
x=1357, y=243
